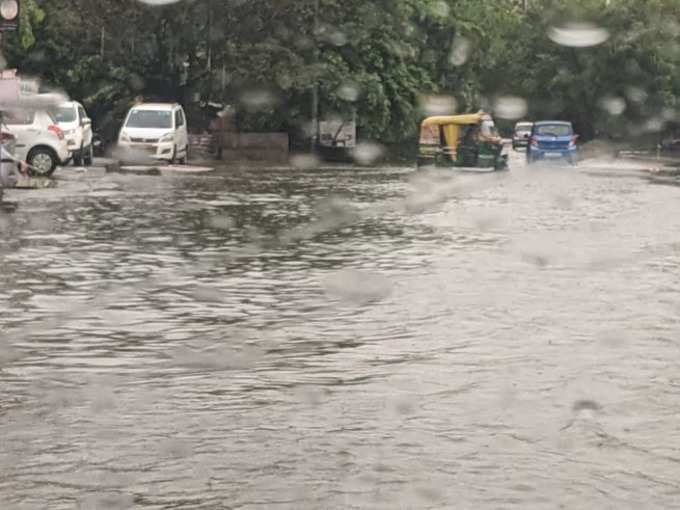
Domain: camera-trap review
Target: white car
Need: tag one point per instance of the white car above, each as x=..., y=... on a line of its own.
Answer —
x=155, y=130
x=40, y=142
x=77, y=126
x=8, y=164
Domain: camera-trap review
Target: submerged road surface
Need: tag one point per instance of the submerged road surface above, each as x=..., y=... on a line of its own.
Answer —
x=348, y=338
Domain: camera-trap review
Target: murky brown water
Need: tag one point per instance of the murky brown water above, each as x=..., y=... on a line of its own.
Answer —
x=341, y=339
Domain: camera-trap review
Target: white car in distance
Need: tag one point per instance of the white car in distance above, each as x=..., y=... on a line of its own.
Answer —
x=77, y=126
x=40, y=142
x=155, y=131
x=8, y=164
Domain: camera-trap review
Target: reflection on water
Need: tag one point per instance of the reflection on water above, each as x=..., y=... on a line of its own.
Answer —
x=340, y=338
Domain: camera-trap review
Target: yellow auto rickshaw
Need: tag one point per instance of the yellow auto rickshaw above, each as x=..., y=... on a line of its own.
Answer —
x=468, y=142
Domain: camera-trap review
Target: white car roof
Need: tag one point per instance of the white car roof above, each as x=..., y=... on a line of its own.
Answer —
x=155, y=106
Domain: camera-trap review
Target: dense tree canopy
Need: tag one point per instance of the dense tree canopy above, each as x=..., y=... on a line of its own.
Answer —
x=387, y=61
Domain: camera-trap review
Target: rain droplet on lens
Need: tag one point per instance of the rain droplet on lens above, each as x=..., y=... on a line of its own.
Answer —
x=614, y=339
x=176, y=448
x=207, y=294
x=221, y=222
x=586, y=405
x=486, y=220
x=8, y=355
x=460, y=51
x=284, y=80
x=337, y=37
x=349, y=91
x=136, y=82
x=220, y=357
x=158, y=2
x=5, y=224
x=537, y=260
x=311, y=395
x=429, y=493
x=112, y=501
x=304, y=161
x=510, y=107
x=636, y=94
x=38, y=56
x=336, y=211
x=578, y=35
x=357, y=287
x=655, y=124
x=304, y=42
x=440, y=9
x=367, y=153
x=404, y=406
x=562, y=201
x=309, y=129
x=437, y=105
x=256, y=100
x=613, y=105
x=669, y=114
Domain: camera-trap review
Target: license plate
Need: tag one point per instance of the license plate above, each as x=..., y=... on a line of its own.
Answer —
x=553, y=154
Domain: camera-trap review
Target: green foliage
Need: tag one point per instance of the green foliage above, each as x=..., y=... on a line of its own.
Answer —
x=30, y=15
x=373, y=59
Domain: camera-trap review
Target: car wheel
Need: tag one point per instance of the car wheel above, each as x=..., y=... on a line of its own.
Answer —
x=184, y=159
x=42, y=161
x=78, y=157
x=88, y=157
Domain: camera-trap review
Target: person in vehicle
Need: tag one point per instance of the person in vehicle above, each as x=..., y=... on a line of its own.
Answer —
x=469, y=147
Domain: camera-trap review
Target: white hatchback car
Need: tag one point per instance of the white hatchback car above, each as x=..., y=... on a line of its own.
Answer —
x=8, y=164
x=155, y=130
x=77, y=126
x=40, y=142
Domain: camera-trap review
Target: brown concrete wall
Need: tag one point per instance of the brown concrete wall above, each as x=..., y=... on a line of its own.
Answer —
x=269, y=147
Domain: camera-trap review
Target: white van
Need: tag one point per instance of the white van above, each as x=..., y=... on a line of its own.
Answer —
x=77, y=126
x=155, y=130
x=40, y=142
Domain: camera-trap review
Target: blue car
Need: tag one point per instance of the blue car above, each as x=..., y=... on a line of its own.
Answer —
x=552, y=140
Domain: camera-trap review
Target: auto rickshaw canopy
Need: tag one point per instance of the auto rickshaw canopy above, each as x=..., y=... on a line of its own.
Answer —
x=457, y=120
x=450, y=126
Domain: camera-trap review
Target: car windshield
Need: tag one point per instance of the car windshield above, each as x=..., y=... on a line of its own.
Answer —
x=553, y=130
x=152, y=119
x=64, y=114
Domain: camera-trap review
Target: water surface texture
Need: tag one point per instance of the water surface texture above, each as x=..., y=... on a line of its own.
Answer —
x=341, y=338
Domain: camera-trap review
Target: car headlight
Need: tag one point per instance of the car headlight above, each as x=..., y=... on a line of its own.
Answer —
x=124, y=137
x=166, y=138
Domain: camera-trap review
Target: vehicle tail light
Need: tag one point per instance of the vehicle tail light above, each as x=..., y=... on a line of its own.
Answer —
x=7, y=137
x=573, y=140
x=57, y=131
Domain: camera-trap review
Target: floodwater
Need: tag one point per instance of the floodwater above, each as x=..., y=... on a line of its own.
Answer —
x=341, y=338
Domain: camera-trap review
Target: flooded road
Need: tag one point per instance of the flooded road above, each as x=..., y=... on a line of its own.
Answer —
x=348, y=338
